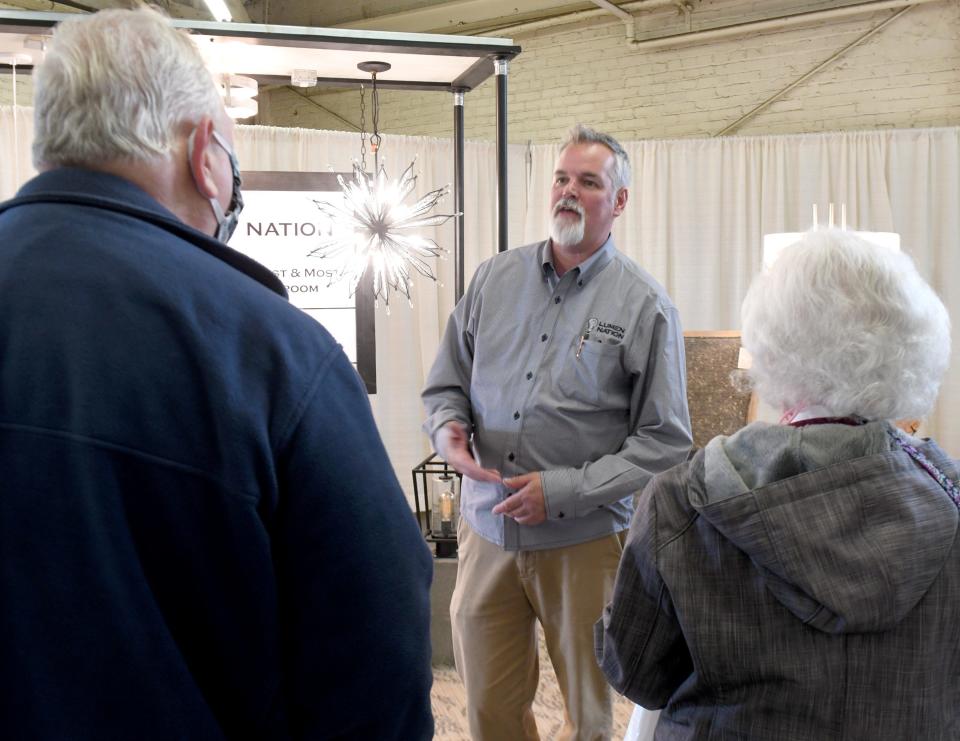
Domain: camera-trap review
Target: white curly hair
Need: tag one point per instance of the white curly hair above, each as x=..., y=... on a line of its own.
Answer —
x=848, y=326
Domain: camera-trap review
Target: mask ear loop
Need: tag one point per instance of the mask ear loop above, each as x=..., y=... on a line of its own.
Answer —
x=236, y=197
x=215, y=206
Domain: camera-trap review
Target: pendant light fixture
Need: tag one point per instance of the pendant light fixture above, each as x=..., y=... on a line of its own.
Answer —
x=375, y=228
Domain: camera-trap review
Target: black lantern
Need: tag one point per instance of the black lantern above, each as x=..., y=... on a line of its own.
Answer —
x=436, y=496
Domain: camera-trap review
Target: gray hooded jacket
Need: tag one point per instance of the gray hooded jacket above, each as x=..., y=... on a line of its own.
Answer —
x=792, y=584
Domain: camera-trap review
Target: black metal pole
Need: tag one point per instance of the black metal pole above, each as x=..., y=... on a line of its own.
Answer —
x=458, y=196
x=500, y=66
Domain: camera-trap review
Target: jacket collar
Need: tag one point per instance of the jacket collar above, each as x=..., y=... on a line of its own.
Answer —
x=76, y=185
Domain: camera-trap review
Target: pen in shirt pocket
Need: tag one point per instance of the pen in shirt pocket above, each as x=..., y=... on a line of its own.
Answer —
x=585, y=335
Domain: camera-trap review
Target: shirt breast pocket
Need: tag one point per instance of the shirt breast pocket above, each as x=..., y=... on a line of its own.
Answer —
x=596, y=378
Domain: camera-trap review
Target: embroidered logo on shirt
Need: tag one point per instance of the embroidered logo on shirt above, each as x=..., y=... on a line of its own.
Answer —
x=611, y=330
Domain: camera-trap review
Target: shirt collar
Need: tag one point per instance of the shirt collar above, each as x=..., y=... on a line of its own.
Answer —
x=588, y=268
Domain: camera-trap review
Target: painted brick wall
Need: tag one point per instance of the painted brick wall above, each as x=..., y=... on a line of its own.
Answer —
x=907, y=75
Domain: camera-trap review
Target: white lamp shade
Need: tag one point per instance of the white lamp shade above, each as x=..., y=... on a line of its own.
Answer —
x=242, y=108
x=774, y=244
x=238, y=93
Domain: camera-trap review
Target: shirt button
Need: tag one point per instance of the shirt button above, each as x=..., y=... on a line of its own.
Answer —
x=580, y=283
x=560, y=515
x=543, y=338
x=529, y=375
x=556, y=300
x=510, y=457
x=516, y=415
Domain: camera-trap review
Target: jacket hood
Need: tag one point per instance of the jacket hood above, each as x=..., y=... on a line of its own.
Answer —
x=847, y=531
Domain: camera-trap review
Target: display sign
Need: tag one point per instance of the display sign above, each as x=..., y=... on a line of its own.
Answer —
x=279, y=227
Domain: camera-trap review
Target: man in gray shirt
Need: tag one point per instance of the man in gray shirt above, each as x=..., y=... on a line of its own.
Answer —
x=558, y=391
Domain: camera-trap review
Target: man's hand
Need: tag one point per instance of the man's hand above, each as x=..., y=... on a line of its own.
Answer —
x=453, y=445
x=526, y=506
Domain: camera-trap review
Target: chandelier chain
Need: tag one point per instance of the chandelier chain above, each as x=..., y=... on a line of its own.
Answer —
x=363, y=132
x=375, y=137
x=374, y=231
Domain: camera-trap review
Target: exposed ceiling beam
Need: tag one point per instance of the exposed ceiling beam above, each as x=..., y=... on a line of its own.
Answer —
x=578, y=16
x=173, y=8
x=44, y=5
x=773, y=24
x=615, y=9
x=238, y=12
x=491, y=16
x=177, y=10
x=455, y=16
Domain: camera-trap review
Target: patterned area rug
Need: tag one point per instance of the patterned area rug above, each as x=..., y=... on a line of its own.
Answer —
x=449, y=707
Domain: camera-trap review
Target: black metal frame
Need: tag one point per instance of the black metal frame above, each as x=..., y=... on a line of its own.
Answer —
x=445, y=546
x=458, y=196
x=502, y=65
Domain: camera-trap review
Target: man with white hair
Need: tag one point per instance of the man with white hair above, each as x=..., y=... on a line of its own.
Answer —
x=559, y=389
x=201, y=535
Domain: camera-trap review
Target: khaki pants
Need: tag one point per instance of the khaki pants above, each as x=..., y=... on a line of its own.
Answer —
x=497, y=599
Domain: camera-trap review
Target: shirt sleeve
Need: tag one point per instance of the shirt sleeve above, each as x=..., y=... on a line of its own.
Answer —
x=638, y=640
x=353, y=574
x=446, y=395
x=660, y=437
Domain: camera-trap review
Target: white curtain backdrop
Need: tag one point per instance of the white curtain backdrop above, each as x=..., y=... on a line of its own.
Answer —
x=697, y=213
x=16, y=136
x=699, y=208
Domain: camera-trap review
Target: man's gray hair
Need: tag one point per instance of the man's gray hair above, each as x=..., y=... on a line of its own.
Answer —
x=118, y=84
x=846, y=325
x=581, y=134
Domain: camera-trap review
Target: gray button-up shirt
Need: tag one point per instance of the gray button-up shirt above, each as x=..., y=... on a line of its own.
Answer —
x=581, y=377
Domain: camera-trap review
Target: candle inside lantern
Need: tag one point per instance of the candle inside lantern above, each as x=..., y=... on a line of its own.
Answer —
x=446, y=512
x=445, y=508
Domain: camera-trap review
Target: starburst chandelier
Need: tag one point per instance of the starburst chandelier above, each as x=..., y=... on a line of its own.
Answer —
x=375, y=227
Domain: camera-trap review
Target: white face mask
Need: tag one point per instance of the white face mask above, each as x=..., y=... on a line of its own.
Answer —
x=226, y=222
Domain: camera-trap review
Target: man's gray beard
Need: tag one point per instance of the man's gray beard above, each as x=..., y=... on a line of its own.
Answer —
x=566, y=234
